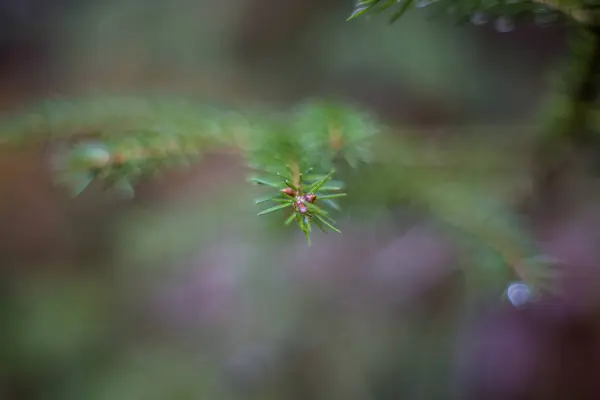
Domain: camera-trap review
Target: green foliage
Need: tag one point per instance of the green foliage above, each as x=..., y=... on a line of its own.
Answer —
x=118, y=141
x=301, y=196
x=466, y=187
x=478, y=12
x=569, y=123
x=292, y=155
x=121, y=140
x=299, y=153
x=335, y=132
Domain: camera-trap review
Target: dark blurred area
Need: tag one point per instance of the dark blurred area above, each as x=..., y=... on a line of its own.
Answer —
x=183, y=294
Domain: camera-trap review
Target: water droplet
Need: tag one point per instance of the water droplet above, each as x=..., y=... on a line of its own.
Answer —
x=504, y=24
x=357, y=12
x=95, y=155
x=480, y=18
x=518, y=293
x=424, y=3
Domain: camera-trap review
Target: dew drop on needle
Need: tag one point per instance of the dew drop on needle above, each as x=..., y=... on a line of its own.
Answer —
x=504, y=24
x=479, y=18
x=518, y=293
x=424, y=3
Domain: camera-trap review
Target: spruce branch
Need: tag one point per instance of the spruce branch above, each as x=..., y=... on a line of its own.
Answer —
x=293, y=157
x=578, y=11
x=122, y=140
x=302, y=196
x=570, y=133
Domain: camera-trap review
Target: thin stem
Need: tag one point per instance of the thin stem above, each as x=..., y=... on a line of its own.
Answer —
x=335, y=137
x=296, y=175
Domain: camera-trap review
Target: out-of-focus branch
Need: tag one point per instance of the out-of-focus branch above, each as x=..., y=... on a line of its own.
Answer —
x=581, y=15
x=570, y=138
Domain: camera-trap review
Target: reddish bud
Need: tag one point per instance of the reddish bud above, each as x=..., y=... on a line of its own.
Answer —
x=311, y=198
x=119, y=158
x=288, y=191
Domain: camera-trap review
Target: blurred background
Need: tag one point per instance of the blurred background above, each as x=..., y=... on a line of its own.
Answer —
x=183, y=293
